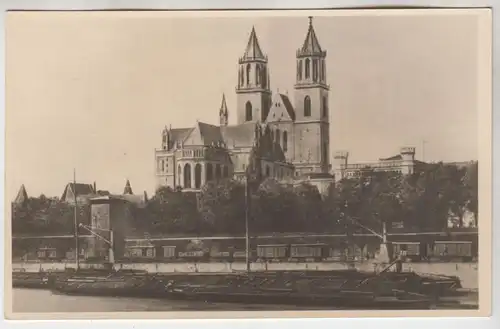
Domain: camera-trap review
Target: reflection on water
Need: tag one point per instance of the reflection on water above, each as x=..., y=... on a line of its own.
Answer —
x=39, y=301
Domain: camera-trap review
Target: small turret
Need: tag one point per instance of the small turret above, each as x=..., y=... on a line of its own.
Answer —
x=223, y=112
x=408, y=159
x=128, y=188
x=165, y=143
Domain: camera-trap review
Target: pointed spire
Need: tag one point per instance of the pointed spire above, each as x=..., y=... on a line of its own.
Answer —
x=223, y=112
x=311, y=44
x=253, y=50
x=127, y=189
x=22, y=195
x=223, y=106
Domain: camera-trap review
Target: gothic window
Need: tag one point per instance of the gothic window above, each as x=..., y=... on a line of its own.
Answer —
x=268, y=171
x=257, y=74
x=299, y=69
x=285, y=141
x=264, y=77
x=248, y=111
x=323, y=70
x=217, y=171
x=307, y=106
x=307, y=68
x=315, y=70
x=242, y=76
x=248, y=73
x=225, y=172
x=179, y=174
x=325, y=107
x=187, y=175
x=197, y=176
x=210, y=172
x=278, y=136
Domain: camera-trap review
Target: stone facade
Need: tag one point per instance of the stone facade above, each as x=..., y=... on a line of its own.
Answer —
x=404, y=163
x=272, y=136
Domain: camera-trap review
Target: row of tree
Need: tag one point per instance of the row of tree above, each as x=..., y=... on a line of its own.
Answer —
x=424, y=201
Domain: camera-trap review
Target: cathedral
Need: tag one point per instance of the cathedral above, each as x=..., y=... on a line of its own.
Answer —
x=275, y=136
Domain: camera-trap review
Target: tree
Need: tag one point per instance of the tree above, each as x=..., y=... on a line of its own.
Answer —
x=308, y=208
x=222, y=206
x=471, y=185
x=273, y=207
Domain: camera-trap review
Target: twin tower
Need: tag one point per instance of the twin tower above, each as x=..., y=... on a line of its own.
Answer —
x=306, y=122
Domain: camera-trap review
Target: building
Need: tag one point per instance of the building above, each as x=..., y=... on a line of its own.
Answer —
x=287, y=139
x=404, y=163
x=82, y=191
x=22, y=196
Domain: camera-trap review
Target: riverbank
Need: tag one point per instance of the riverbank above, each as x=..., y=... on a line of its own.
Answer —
x=466, y=272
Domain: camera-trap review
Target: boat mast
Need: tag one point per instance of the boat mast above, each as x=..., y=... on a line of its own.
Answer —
x=77, y=253
x=247, y=236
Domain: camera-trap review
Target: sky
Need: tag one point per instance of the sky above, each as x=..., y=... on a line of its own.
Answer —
x=92, y=91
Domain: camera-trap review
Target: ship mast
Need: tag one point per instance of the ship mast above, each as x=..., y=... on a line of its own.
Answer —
x=77, y=254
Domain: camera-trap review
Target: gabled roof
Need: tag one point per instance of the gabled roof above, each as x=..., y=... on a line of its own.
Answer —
x=22, y=195
x=281, y=109
x=80, y=188
x=311, y=44
x=178, y=135
x=240, y=135
x=253, y=50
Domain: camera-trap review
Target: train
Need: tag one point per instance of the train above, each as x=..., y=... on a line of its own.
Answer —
x=418, y=247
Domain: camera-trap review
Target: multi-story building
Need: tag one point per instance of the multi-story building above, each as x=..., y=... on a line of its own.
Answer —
x=277, y=137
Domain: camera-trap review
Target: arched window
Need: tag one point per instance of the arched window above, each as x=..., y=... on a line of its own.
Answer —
x=225, y=172
x=264, y=77
x=285, y=140
x=242, y=76
x=307, y=106
x=325, y=107
x=248, y=73
x=315, y=70
x=187, y=175
x=179, y=175
x=197, y=176
x=307, y=68
x=299, y=70
x=323, y=70
x=217, y=171
x=257, y=74
x=210, y=172
x=268, y=171
x=278, y=136
x=248, y=111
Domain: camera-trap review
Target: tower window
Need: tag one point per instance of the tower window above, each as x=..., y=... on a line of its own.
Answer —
x=264, y=77
x=248, y=73
x=278, y=136
x=308, y=69
x=242, y=76
x=325, y=153
x=248, y=111
x=285, y=141
x=268, y=171
x=299, y=69
x=257, y=74
x=325, y=107
x=307, y=106
x=315, y=70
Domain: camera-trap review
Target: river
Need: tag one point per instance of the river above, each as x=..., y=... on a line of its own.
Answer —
x=44, y=301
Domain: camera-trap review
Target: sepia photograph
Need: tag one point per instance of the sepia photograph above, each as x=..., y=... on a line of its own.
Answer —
x=247, y=161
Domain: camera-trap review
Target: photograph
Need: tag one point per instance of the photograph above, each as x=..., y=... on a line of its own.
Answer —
x=247, y=161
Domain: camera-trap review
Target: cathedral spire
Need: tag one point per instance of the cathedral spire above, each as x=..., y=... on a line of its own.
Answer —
x=311, y=44
x=223, y=112
x=253, y=50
